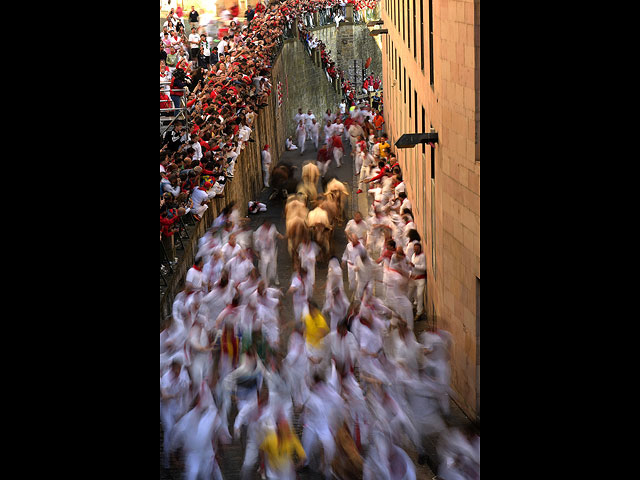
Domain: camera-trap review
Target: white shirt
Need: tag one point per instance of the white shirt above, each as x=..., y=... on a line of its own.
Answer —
x=194, y=40
x=419, y=264
x=264, y=239
x=360, y=229
x=351, y=253
x=176, y=386
x=221, y=46
x=194, y=277
x=266, y=158
x=343, y=349
x=244, y=133
x=197, y=148
x=375, y=150
x=307, y=120
x=199, y=195
x=206, y=49
x=175, y=41
x=228, y=252
x=329, y=118
x=328, y=131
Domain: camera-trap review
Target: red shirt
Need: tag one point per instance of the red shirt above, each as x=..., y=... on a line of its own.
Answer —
x=177, y=93
x=383, y=171
x=323, y=155
x=167, y=101
x=205, y=146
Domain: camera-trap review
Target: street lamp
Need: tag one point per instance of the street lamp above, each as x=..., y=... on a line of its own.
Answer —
x=409, y=140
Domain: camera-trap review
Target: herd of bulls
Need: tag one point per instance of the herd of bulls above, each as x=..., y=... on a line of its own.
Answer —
x=309, y=214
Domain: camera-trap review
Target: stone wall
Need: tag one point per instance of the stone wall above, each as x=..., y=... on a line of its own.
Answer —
x=305, y=85
x=351, y=42
x=445, y=193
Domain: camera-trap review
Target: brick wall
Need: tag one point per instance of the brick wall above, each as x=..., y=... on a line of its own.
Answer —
x=452, y=107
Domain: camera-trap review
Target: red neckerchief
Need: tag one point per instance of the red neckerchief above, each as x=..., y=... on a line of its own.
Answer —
x=195, y=266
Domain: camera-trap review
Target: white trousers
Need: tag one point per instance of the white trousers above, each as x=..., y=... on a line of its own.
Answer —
x=323, y=167
x=169, y=417
x=337, y=155
x=312, y=437
x=417, y=294
x=266, y=174
x=358, y=164
x=200, y=368
x=202, y=464
x=267, y=266
x=351, y=275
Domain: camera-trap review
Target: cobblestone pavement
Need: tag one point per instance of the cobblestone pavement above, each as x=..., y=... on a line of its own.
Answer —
x=230, y=458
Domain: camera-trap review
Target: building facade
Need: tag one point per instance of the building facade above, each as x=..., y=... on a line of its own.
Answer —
x=431, y=75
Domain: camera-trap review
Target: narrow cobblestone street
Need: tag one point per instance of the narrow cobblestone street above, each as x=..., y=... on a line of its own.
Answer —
x=230, y=457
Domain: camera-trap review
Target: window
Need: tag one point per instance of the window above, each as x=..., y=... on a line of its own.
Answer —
x=403, y=14
x=395, y=13
x=430, y=43
x=415, y=46
x=421, y=35
x=409, y=27
x=423, y=129
x=433, y=226
x=433, y=162
x=404, y=73
x=415, y=113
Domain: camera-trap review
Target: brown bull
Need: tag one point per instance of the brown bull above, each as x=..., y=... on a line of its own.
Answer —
x=310, y=173
x=297, y=231
x=329, y=203
x=296, y=227
x=295, y=207
x=340, y=192
x=308, y=193
x=308, y=186
x=282, y=180
x=321, y=230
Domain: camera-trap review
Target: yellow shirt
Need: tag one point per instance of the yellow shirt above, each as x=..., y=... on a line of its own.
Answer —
x=280, y=454
x=316, y=329
x=384, y=149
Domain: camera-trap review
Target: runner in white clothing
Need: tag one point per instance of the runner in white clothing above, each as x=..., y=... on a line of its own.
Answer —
x=266, y=165
x=264, y=241
x=418, y=277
